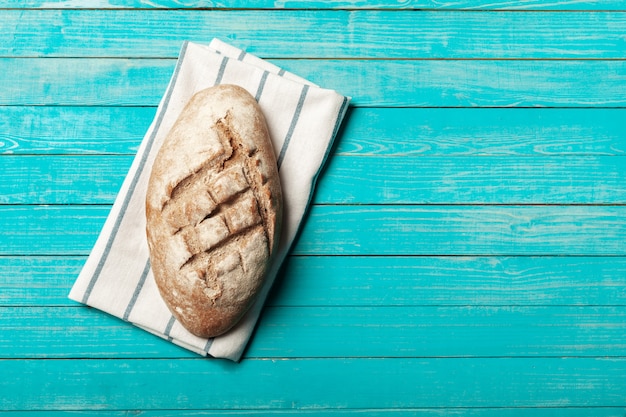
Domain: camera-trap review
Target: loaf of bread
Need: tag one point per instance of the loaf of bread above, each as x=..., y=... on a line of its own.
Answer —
x=213, y=210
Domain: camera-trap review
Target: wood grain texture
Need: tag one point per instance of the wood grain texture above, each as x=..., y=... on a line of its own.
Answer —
x=320, y=34
x=151, y=384
x=371, y=83
x=312, y=4
x=96, y=179
x=58, y=130
x=71, y=332
x=482, y=132
x=463, y=230
x=473, y=180
x=338, y=412
x=81, y=179
x=451, y=281
x=457, y=411
x=53, y=226
x=51, y=130
x=45, y=281
x=312, y=332
x=366, y=230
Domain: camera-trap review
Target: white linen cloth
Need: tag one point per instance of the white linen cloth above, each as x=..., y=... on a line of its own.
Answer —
x=302, y=119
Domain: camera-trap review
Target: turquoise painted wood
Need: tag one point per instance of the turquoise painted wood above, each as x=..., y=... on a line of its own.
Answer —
x=328, y=34
x=96, y=179
x=597, y=230
x=371, y=83
x=360, y=383
x=371, y=131
x=474, y=411
x=312, y=332
x=73, y=130
x=465, y=252
x=310, y=4
x=309, y=281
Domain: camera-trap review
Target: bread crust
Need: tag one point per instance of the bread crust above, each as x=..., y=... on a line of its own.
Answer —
x=213, y=210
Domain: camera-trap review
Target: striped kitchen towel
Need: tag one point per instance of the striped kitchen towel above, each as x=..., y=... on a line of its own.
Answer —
x=302, y=119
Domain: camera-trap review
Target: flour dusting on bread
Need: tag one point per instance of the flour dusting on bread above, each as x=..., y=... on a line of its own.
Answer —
x=213, y=210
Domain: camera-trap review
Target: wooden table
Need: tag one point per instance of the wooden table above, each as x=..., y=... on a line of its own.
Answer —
x=465, y=252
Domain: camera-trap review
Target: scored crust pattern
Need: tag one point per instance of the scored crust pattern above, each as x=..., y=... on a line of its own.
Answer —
x=212, y=211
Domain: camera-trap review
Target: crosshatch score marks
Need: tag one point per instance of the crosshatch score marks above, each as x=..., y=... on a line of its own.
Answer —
x=212, y=207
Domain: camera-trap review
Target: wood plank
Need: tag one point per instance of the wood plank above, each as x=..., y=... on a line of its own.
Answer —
x=463, y=230
x=152, y=384
x=71, y=332
x=74, y=179
x=405, y=412
x=83, y=82
x=52, y=130
x=450, y=281
x=329, y=34
x=312, y=332
x=467, y=331
x=70, y=230
x=473, y=180
x=96, y=179
x=482, y=131
x=376, y=281
x=46, y=280
x=371, y=83
x=367, y=230
x=306, y=4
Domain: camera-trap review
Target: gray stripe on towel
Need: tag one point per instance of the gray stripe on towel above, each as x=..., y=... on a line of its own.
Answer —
x=138, y=288
x=259, y=90
x=133, y=184
x=168, y=328
x=220, y=73
x=292, y=126
x=340, y=115
x=207, y=347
